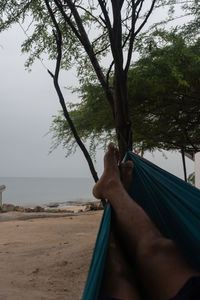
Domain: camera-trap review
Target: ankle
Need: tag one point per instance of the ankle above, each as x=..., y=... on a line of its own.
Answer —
x=112, y=187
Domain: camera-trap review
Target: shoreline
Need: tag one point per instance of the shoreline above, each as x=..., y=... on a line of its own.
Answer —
x=10, y=212
x=23, y=216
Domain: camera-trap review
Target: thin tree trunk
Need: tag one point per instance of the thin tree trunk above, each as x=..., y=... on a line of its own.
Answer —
x=122, y=121
x=184, y=164
x=58, y=37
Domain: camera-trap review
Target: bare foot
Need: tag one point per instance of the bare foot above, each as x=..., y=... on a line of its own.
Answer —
x=126, y=170
x=110, y=178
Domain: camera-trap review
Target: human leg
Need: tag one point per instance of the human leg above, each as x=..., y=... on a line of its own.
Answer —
x=118, y=278
x=160, y=264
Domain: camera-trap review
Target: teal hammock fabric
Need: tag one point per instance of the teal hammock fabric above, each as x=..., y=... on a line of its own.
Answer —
x=172, y=204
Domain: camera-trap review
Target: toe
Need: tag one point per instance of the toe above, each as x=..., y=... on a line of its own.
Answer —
x=129, y=165
x=111, y=146
x=126, y=174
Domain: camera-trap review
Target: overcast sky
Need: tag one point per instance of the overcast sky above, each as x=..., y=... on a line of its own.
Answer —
x=27, y=103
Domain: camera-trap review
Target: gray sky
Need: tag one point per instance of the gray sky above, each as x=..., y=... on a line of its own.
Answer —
x=27, y=103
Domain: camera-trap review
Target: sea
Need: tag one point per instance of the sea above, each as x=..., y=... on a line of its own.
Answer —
x=30, y=192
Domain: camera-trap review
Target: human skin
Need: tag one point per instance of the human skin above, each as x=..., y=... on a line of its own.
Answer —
x=160, y=266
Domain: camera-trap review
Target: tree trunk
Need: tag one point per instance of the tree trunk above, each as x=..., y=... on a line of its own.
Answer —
x=122, y=120
x=184, y=164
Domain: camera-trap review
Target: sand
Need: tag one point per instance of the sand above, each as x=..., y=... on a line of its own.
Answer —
x=46, y=258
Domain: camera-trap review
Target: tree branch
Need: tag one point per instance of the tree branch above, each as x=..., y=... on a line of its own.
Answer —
x=132, y=37
x=50, y=73
x=146, y=18
x=60, y=95
x=102, y=50
x=106, y=17
x=68, y=20
x=91, y=15
x=108, y=73
x=116, y=44
x=98, y=38
x=134, y=33
x=83, y=38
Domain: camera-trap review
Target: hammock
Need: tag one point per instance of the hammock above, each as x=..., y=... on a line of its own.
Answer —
x=172, y=204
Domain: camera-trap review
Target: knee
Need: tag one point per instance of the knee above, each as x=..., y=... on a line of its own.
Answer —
x=156, y=247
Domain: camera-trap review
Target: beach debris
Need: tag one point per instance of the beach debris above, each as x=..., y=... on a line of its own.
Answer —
x=94, y=206
x=38, y=209
x=10, y=207
x=35, y=209
x=19, y=208
x=7, y=207
x=85, y=207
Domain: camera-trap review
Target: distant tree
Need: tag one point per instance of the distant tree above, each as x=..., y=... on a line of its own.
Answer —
x=165, y=88
x=164, y=97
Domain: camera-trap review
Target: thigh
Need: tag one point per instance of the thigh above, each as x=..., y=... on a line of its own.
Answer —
x=162, y=268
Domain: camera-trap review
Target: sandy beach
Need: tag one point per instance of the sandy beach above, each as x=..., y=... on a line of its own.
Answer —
x=46, y=258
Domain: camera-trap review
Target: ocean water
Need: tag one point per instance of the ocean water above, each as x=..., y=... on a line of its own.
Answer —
x=43, y=191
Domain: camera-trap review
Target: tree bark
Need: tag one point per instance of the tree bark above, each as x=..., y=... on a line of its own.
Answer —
x=122, y=120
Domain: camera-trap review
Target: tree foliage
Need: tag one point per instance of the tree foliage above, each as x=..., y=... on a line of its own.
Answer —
x=165, y=90
x=81, y=22
x=84, y=33
x=192, y=28
x=99, y=37
x=163, y=93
